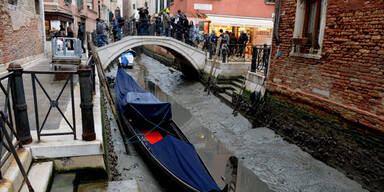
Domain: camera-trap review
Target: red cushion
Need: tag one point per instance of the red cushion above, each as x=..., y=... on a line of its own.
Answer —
x=153, y=136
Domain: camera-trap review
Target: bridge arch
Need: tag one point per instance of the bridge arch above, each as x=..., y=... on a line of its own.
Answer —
x=109, y=52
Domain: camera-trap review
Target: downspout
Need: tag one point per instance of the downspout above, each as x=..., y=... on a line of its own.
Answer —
x=42, y=15
x=275, y=36
x=276, y=24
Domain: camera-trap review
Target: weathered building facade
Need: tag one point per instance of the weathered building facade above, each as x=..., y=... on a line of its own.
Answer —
x=21, y=30
x=327, y=68
x=68, y=13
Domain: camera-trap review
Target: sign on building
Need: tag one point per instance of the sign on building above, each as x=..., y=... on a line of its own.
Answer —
x=207, y=7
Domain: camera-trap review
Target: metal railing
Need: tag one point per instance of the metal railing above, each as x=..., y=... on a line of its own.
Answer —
x=260, y=58
x=54, y=103
x=8, y=133
x=17, y=125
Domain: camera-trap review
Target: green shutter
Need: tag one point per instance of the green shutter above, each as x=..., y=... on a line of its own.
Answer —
x=80, y=4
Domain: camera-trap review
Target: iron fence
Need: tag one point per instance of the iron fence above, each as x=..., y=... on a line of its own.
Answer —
x=14, y=123
x=54, y=103
x=7, y=131
x=260, y=58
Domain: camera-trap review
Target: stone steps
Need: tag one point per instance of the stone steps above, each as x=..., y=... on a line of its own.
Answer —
x=12, y=177
x=225, y=97
x=112, y=186
x=40, y=175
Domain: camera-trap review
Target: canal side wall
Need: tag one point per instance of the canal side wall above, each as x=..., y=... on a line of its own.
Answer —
x=334, y=94
x=355, y=150
x=346, y=75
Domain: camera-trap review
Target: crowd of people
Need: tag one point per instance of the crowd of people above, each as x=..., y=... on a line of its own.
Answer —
x=103, y=30
x=226, y=44
x=165, y=24
x=177, y=26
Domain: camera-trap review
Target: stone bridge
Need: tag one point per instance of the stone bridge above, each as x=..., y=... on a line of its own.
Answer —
x=108, y=53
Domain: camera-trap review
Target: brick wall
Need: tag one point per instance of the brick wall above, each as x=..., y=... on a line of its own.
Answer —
x=20, y=31
x=348, y=80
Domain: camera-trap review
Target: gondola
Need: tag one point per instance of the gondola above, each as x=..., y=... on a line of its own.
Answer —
x=148, y=123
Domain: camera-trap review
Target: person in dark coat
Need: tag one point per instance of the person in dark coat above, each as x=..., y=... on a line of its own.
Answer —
x=232, y=44
x=179, y=26
x=81, y=34
x=99, y=32
x=243, y=40
x=70, y=34
x=144, y=19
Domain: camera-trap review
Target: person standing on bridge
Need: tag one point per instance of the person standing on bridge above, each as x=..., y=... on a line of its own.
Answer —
x=99, y=32
x=143, y=26
x=117, y=24
x=179, y=26
x=158, y=24
x=192, y=34
x=81, y=34
x=105, y=32
x=166, y=22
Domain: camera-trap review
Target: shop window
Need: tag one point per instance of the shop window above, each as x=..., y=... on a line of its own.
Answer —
x=309, y=26
x=37, y=7
x=12, y=2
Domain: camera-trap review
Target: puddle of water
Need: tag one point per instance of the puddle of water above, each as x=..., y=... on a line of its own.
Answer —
x=63, y=182
x=114, y=186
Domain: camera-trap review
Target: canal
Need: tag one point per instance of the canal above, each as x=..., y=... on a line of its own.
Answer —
x=266, y=161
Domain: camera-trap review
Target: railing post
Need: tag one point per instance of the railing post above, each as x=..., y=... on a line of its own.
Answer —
x=19, y=104
x=266, y=52
x=86, y=103
x=210, y=50
x=253, y=64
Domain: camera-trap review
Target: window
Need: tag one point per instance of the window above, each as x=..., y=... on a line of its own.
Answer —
x=311, y=23
x=309, y=26
x=67, y=2
x=161, y=5
x=90, y=4
x=37, y=7
x=80, y=4
x=157, y=6
x=12, y=2
x=133, y=6
x=269, y=1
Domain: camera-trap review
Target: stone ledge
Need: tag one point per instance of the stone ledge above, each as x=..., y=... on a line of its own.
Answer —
x=39, y=175
x=12, y=178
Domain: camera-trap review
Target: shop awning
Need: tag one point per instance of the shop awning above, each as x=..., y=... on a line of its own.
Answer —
x=240, y=21
x=56, y=15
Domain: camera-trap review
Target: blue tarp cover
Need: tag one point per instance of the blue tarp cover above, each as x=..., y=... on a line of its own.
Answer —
x=178, y=156
x=130, y=96
x=181, y=158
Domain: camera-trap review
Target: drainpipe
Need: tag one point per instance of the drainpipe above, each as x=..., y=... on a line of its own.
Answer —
x=275, y=36
x=43, y=24
x=276, y=24
x=98, y=8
